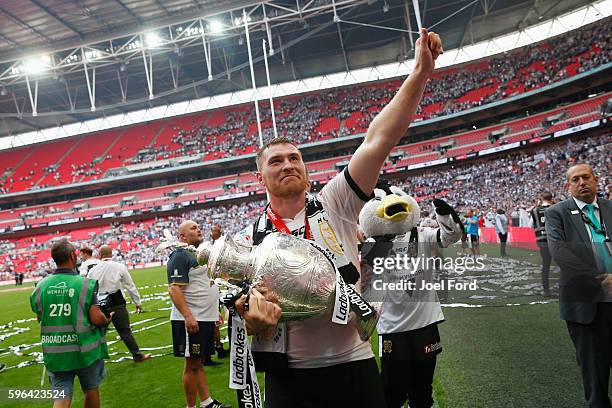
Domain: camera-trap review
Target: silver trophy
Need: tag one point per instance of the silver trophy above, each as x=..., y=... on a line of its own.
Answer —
x=294, y=274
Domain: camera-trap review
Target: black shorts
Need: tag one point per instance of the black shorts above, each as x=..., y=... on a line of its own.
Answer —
x=353, y=384
x=473, y=239
x=408, y=362
x=420, y=344
x=192, y=344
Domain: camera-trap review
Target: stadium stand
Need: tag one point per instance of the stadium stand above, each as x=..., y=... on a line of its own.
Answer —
x=521, y=173
x=320, y=171
x=305, y=118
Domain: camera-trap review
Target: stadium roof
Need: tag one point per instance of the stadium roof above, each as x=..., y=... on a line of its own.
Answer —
x=64, y=61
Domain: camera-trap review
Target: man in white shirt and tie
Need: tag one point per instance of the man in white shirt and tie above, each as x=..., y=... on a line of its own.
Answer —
x=112, y=277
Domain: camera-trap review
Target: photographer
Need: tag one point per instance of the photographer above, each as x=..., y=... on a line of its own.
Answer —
x=112, y=277
x=72, y=341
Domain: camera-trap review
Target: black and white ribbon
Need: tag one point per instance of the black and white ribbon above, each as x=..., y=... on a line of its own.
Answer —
x=243, y=377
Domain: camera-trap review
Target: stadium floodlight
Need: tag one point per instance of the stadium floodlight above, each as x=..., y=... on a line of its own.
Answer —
x=91, y=55
x=238, y=20
x=193, y=31
x=133, y=45
x=215, y=27
x=152, y=40
x=37, y=65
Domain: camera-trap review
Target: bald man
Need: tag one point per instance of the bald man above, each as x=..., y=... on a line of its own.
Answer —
x=112, y=277
x=195, y=309
x=579, y=241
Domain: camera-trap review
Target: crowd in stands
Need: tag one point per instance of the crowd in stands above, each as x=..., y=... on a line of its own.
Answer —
x=151, y=154
x=510, y=182
x=450, y=91
x=522, y=129
x=84, y=169
x=77, y=172
x=347, y=111
x=27, y=177
x=134, y=242
x=513, y=182
x=37, y=213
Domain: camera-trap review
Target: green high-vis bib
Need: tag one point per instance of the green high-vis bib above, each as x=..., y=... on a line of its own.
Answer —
x=69, y=341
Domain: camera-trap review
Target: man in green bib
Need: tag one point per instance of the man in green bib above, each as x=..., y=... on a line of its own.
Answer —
x=72, y=328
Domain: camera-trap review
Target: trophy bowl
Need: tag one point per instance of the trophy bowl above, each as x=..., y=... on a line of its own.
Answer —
x=289, y=270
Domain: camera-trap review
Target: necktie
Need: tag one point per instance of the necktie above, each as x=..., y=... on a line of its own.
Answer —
x=598, y=239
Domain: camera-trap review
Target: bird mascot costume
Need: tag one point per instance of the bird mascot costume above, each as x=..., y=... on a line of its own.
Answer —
x=409, y=341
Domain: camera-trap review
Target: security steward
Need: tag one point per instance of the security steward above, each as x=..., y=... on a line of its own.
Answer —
x=72, y=328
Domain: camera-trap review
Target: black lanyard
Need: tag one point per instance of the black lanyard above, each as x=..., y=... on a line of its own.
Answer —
x=601, y=231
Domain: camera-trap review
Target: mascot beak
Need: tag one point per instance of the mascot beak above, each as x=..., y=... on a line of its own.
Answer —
x=393, y=208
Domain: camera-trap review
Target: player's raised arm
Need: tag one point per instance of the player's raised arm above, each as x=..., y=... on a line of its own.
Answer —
x=391, y=124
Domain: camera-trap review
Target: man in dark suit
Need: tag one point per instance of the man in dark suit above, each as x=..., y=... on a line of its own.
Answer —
x=580, y=244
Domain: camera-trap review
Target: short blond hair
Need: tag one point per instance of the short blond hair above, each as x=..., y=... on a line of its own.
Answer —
x=271, y=142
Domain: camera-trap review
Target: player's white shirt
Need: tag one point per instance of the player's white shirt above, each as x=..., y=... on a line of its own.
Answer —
x=87, y=265
x=317, y=342
x=201, y=296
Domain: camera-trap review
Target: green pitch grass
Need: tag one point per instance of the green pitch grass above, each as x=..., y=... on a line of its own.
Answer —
x=495, y=356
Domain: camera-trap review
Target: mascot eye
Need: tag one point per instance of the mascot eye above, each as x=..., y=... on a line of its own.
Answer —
x=377, y=198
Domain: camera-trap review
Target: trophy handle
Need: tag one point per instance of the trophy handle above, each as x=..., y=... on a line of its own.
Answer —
x=203, y=253
x=226, y=259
